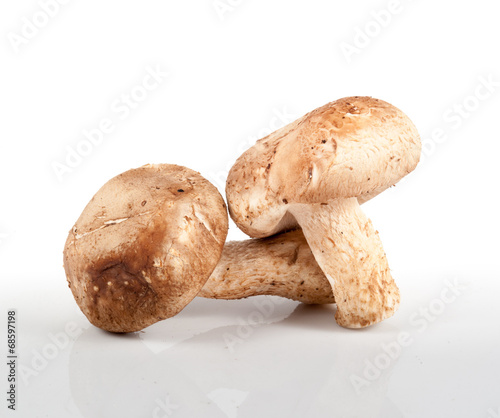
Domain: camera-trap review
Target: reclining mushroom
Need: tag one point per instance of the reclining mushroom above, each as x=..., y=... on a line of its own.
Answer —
x=149, y=240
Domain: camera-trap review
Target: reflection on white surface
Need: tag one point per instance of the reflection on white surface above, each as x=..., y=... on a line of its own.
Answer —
x=228, y=400
x=193, y=320
x=277, y=371
x=266, y=357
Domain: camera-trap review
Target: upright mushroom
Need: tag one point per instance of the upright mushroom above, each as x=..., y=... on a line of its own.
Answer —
x=144, y=246
x=314, y=173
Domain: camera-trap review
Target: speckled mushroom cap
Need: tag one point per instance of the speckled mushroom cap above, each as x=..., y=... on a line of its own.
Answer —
x=144, y=246
x=352, y=147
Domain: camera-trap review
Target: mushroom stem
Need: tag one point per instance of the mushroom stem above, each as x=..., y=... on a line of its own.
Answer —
x=282, y=265
x=350, y=253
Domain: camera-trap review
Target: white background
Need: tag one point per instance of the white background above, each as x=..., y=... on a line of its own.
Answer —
x=231, y=71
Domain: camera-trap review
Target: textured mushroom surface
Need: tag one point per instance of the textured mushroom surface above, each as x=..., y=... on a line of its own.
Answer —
x=314, y=173
x=282, y=265
x=144, y=246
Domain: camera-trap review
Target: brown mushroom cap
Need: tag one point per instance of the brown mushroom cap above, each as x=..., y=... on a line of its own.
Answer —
x=352, y=147
x=144, y=246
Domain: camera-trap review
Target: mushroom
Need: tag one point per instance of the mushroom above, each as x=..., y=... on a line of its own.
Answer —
x=282, y=265
x=144, y=246
x=314, y=173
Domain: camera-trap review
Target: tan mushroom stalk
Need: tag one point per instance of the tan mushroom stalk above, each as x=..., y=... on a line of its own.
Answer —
x=282, y=265
x=313, y=173
x=352, y=254
x=144, y=246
